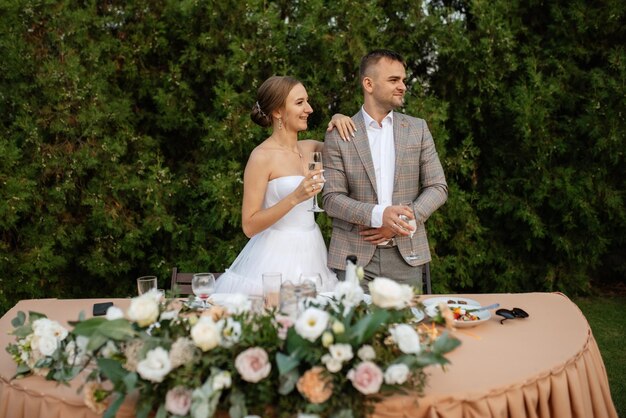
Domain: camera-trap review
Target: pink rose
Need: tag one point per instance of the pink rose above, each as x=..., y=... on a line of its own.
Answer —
x=366, y=378
x=253, y=364
x=178, y=401
x=284, y=323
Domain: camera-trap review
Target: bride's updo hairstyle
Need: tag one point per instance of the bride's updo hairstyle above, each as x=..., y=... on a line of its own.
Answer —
x=271, y=95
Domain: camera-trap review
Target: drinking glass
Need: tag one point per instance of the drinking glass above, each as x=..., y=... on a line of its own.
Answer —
x=256, y=304
x=315, y=284
x=146, y=283
x=203, y=285
x=271, y=289
x=315, y=163
x=412, y=255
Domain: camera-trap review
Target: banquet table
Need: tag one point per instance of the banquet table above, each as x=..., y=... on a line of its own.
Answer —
x=547, y=365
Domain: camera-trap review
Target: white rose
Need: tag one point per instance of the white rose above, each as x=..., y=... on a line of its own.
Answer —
x=406, y=337
x=114, y=313
x=341, y=352
x=333, y=365
x=206, y=334
x=350, y=293
x=46, y=344
x=44, y=327
x=366, y=352
x=222, y=380
x=144, y=310
x=312, y=323
x=77, y=351
x=396, y=374
x=237, y=303
x=155, y=366
x=386, y=293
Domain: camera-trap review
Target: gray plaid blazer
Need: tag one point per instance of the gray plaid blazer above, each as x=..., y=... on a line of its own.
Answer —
x=350, y=191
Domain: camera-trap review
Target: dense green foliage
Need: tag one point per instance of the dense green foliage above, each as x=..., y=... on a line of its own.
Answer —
x=124, y=131
x=601, y=313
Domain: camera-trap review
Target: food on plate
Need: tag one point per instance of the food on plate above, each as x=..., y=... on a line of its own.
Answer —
x=460, y=314
x=456, y=302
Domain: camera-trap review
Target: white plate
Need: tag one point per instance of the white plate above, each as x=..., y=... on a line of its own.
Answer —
x=449, y=300
x=220, y=299
x=483, y=316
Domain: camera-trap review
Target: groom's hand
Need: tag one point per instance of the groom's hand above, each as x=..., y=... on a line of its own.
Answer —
x=377, y=236
x=393, y=219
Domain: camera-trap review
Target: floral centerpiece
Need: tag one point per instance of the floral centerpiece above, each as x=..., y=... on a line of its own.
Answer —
x=335, y=359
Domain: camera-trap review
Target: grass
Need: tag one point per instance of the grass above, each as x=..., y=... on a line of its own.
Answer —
x=605, y=315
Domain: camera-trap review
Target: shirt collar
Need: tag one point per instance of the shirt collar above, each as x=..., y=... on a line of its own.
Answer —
x=369, y=121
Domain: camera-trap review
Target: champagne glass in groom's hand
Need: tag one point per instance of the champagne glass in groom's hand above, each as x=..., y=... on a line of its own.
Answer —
x=413, y=224
x=315, y=163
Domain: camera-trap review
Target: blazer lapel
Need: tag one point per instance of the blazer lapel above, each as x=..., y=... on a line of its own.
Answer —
x=362, y=145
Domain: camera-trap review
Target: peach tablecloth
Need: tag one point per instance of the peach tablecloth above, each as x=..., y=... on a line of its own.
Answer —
x=547, y=365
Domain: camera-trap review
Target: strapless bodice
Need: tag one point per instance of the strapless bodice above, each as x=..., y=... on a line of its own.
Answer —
x=298, y=218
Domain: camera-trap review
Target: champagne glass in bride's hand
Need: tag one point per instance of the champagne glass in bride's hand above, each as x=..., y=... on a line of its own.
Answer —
x=315, y=163
x=203, y=285
x=412, y=255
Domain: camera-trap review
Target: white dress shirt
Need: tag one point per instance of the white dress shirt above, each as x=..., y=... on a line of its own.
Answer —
x=384, y=157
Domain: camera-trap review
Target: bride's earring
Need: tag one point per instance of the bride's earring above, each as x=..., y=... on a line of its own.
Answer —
x=280, y=123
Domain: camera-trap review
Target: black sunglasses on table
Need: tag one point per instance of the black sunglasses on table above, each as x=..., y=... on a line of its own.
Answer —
x=511, y=314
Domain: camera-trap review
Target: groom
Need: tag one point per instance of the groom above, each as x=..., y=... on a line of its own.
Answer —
x=391, y=159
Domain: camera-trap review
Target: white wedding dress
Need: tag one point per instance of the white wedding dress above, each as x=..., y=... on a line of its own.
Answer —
x=292, y=246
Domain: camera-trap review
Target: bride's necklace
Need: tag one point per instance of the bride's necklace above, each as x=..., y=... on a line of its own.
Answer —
x=298, y=153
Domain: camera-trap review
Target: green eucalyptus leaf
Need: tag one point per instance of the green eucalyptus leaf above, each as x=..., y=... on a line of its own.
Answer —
x=113, y=370
x=118, y=400
x=287, y=382
x=118, y=329
x=33, y=316
x=88, y=327
x=445, y=343
x=367, y=326
x=286, y=363
x=19, y=320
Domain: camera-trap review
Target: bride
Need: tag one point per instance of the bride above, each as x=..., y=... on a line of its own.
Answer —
x=278, y=190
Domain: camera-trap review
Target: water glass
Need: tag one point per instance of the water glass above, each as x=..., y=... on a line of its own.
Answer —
x=311, y=284
x=271, y=289
x=289, y=299
x=256, y=304
x=146, y=283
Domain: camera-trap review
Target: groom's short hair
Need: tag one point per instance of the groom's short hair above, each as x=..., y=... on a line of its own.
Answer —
x=373, y=57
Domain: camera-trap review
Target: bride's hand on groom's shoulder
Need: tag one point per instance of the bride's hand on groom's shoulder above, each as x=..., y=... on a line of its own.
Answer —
x=344, y=124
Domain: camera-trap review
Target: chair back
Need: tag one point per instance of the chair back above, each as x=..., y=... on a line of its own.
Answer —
x=182, y=281
x=427, y=289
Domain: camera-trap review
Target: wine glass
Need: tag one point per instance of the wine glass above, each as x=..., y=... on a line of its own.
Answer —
x=315, y=163
x=412, y=255
x=203, y=285
x=145, y=284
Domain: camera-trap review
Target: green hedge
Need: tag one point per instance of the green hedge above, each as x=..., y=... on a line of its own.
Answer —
x=124, y=131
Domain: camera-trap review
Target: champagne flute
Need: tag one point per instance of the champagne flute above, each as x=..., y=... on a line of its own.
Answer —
x=315, y=163
x=203, y=285
x=412, y=256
